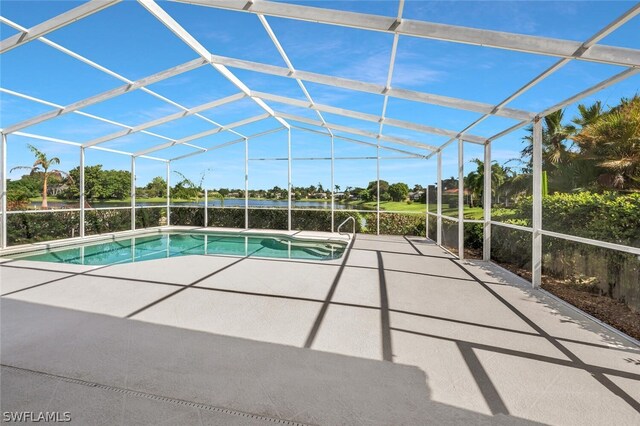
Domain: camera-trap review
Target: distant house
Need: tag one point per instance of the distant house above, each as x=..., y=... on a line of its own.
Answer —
x=56, y=189
x=415, y=196
x=454, y=191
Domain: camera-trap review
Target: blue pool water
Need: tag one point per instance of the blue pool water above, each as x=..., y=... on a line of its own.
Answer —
x=158, y=246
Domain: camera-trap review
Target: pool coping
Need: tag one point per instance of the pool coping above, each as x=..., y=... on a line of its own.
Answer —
x=112, y=236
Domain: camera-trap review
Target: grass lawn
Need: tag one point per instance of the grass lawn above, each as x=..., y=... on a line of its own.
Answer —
x=469, y=212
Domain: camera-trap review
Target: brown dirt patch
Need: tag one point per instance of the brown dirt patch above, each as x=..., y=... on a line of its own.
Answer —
x=604, y=308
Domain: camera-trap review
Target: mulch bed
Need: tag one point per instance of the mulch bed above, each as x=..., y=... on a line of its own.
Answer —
x=604, y=308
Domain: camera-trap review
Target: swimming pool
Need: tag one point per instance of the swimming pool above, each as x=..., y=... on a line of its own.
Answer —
x=171, y=244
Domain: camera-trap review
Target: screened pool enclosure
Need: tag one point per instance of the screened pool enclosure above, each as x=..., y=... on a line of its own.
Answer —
x=278, y=124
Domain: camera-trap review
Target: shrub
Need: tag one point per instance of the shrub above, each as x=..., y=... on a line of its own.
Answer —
x=104, y=221
x=268, y=218
x=187, y=216
x=225, y=218
x=24, y=228
x=608, y=217
x=150, y=217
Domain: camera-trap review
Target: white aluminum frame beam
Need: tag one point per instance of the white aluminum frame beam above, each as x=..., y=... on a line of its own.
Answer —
x=55, y=23
x=439, y=198
x=82, y=113
x=246, y=183
x=108, y=72
x=229, y=143
x=168, y=206
x=573, y=99
x=359, y=142
x=162, y=75
x=460, y=199
x=81, y=187
x=97, y=148
x=399, y=157
x=536, y=249
x=429, y=30
x=285, y=58
x=486, y=203
x=368, y=117
x=133, y=193
x=3, y=190
x=617, y=23
x=190, y=138
x=166, y=119
x=161, y=15
x=376, y=89
x=392, y=62
x=351, y=130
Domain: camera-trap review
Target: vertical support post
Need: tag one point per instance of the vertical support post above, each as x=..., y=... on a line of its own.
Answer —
x=133, y=193
x=289, y=179
x=206, y=207
x=246, y=183
x=536, y=252
x=378, y=187
x=486, y=203
x=460, y=199
x=3, y=190
x=439, y=200
x=333, y=194
x=168, y=193
x=82, y=192
x=426, y=212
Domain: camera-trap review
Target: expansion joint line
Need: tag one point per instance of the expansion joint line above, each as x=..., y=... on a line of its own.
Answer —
x=152, y=396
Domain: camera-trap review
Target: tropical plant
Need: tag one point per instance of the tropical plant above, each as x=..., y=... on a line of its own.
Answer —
x=588, y=114
x=42, y=166
x=474, y=181
x=612, y=142
x=555, y=136
x=186, y=188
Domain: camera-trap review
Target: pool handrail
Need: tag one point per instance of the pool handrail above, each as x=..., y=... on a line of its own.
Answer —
x=344, y=222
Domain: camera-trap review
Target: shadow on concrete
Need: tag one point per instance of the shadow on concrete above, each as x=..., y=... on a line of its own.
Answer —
x=253, y=377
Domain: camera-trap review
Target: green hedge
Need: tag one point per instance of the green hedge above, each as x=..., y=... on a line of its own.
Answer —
x=187, y=216
x=607, y=217
x=25, y=228
x=150, y=217
x=320, y=220
x=401, y=224
x=268, y=219
x=225, y=218
x=511, y=246
x=104, y=221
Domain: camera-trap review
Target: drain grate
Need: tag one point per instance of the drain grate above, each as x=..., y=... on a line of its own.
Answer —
x=154, y=397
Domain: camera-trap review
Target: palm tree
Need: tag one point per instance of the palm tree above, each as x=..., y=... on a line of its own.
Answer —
x=43, y=165
x=554, y=136
x=337, y=188
x=588, y=115
x=612, y=141
x=475, y=180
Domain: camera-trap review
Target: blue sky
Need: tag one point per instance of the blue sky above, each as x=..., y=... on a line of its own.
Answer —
x=128, y=40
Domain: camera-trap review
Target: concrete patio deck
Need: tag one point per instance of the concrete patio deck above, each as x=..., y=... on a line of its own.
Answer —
x=395, y=332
